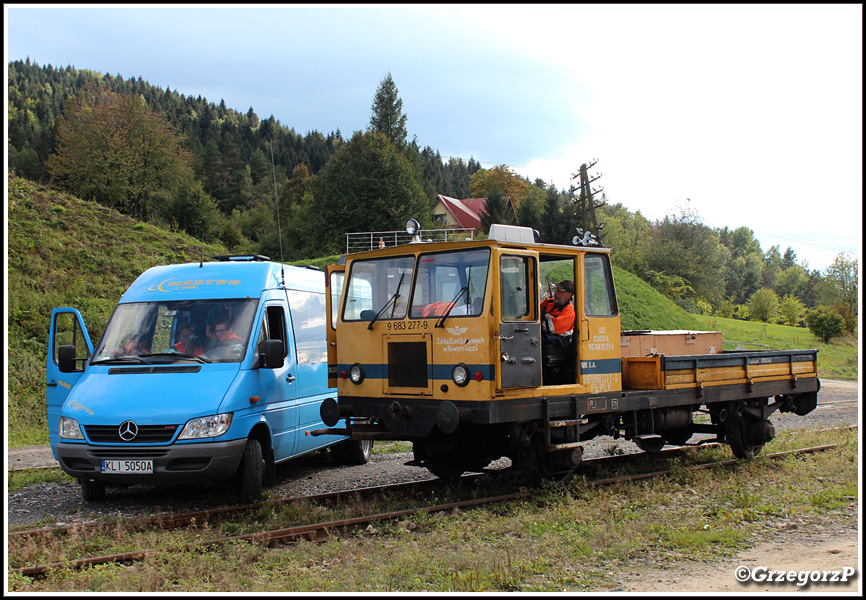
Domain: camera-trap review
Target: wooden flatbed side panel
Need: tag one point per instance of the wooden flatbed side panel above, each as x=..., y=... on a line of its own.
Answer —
x=678, y=372
x=642, y=373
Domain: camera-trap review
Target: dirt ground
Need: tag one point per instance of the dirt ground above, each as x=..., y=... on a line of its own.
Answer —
x=789, y=551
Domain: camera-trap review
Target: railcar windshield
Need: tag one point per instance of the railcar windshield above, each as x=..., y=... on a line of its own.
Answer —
x=177, y=331
x=450, y=282
x=378, y=289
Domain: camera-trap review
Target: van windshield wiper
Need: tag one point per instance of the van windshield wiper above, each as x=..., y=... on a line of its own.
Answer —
x=388, y=303
x=121, y=360
x=181, y=355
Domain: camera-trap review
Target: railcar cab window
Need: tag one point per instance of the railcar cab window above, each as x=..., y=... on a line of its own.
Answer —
x=379, y=289
x=150, y=332
x=599, y=298
x=515, y=286
x=450, y=283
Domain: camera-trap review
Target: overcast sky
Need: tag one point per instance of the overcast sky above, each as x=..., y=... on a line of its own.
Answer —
x=747, y=115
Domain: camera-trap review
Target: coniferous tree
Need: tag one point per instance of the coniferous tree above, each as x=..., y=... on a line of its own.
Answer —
x=388, y=118
x=496, y=210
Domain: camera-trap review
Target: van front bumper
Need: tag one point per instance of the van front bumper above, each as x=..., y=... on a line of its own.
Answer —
x=178, y=463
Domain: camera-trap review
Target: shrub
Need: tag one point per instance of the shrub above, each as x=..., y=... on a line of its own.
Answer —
x=826, y=323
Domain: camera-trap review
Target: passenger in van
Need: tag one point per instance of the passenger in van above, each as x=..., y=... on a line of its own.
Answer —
x=137, y=345
x=222, y=311
x=189, y=342
x=225, y=334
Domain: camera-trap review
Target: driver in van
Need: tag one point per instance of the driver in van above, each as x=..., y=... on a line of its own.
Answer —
x=137, y=345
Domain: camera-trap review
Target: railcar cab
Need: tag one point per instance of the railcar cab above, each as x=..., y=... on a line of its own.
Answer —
x=445, y=336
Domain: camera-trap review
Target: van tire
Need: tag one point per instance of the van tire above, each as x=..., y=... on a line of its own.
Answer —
x=92, y=490
x=251, y=473
x=353, y=452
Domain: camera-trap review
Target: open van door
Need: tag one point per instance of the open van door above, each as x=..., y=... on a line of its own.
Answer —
x=334, y=278
x=69, y=349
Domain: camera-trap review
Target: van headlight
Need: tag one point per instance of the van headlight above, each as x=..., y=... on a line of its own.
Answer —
x=69, y=429
x=206, y=427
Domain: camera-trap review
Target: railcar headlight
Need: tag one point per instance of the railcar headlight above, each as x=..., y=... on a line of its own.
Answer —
x=206, y=427
x=69, y=429
x=356, y=373
x=460, y=375
x=412, y=226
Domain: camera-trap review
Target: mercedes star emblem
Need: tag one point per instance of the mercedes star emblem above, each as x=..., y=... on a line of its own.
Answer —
x=127, y=431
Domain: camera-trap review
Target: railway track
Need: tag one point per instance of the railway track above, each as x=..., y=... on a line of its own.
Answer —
x=325, y=530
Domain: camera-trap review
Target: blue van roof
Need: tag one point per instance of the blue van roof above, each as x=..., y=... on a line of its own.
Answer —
x=217, y=280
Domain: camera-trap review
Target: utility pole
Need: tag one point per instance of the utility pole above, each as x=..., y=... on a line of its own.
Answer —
x=585, y=206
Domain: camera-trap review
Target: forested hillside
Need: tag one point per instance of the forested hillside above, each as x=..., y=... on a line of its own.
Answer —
x=191, y=165
x=64, y=251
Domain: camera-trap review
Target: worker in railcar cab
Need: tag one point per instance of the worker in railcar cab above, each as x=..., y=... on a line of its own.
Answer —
x=557, y=313
x=557, y=330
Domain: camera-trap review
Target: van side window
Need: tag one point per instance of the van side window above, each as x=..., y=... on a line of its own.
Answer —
x=67, y=332
x=273, y=328
x=308, y=325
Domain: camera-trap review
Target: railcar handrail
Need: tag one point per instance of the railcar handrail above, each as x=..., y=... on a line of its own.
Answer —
x=371, y=240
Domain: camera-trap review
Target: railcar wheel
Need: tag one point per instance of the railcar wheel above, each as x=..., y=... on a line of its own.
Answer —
x=92, y=490
x=741, y=446
x=650, y=445
x=447, y=473
x=251, y=473
x=541, y=470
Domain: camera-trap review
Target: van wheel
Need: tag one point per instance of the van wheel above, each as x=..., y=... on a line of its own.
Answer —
x=251, y=473
x=353, y=452
x=92, y=490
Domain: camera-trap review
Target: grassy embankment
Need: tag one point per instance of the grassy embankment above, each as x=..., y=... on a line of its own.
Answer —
x=64, y=251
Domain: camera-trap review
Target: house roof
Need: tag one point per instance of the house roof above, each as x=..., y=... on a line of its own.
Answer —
x=466, y=212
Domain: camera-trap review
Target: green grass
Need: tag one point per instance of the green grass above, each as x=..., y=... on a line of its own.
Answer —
x=836, y=360
x=576, y=539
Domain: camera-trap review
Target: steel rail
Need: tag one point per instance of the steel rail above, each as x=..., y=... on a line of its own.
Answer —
x=321, y=531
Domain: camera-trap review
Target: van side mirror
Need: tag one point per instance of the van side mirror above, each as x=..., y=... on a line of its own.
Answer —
x=273, y=355
x=66, y=358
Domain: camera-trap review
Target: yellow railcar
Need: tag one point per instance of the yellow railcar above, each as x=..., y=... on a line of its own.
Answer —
x=443, y=344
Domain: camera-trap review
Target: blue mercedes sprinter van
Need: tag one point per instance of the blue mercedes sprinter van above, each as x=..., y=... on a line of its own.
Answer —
x=205, y=371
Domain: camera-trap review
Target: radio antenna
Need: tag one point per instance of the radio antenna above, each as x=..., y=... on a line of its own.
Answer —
x=277, y=203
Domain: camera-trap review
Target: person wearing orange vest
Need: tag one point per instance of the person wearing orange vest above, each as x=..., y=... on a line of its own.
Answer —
x=224, y=333
x=557, y=313
x=189, y=343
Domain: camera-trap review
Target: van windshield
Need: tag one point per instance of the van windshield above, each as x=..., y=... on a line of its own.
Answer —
x=177, y=331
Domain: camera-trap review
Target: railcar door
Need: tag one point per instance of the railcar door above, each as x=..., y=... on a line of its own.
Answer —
x=518, y=342
x=600, y=354
x=334, y=277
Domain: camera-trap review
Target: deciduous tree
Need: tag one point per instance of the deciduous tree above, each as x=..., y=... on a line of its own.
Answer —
x=764, y=306
x=512, y=185
x=116, y=150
